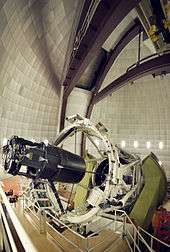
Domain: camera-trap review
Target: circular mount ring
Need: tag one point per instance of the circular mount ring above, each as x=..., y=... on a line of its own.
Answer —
x=84, y=125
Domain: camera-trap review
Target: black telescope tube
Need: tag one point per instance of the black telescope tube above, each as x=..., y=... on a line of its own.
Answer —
x=62, y=166
x=43, y=162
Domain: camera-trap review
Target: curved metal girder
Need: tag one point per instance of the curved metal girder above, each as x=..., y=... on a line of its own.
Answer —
x=63, y=112
x=130, y=34
x=153, y=66
x=107, y=17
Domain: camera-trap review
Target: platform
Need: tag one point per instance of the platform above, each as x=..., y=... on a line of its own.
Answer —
x=54, y=242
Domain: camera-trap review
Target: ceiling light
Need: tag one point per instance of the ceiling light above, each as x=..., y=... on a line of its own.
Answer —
x=135, y=144
x=148, y=145
x=123, y=143
x=161, y=145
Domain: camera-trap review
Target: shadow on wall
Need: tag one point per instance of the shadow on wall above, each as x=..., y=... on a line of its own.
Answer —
x=43, y=52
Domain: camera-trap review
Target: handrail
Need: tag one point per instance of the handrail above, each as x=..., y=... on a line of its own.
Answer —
x=71, y=230
x=56, y=220
x=141, y=60
x=118, y=216
x=48, y=213
x=146, y=58
x=153, y=238
x=136, y=232
x=23, y=237
x=68, y=240
x=8, y=231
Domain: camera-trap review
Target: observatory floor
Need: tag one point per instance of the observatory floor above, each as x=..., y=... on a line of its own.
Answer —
x=53, y=242
x=41, y=242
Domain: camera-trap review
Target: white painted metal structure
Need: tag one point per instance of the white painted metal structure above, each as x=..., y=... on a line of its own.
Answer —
x=114, y=183
x=119, y=223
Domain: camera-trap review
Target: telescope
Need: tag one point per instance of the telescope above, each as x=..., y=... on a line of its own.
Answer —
x=111, y=178
x=43, y=162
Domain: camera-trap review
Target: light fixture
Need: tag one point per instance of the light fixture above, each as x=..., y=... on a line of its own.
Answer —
x=4, y=141
x=161, y=145
x=135, y=144
x=148, y=145
x=123, y=143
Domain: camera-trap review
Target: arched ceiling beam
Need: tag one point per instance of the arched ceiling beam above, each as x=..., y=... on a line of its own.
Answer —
x=155, y=66
x=107, y=17
x=129, y=35
x=131, y=32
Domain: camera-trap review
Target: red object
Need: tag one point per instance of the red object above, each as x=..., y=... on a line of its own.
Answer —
x=161, y=225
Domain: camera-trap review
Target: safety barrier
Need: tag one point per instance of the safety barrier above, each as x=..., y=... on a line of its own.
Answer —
x=13, y=237
x=130, y=232
x=71, y=237
x=146, y=58
x=152, y=239
x=119, y=222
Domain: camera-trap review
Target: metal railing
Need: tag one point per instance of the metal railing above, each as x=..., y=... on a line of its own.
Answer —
x=13, y=237
x=130, y=232
x=82, y=243
x=155, y=55
x=118, y=222
x=152, y=239
x=135, y=235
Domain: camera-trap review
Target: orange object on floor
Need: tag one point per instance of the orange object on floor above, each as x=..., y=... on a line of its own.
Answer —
x=12, y=184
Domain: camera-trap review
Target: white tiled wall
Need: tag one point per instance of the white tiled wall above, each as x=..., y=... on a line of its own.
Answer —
x=33, y=44
x=127, y=57
x=139, y=112
x=77, y=104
